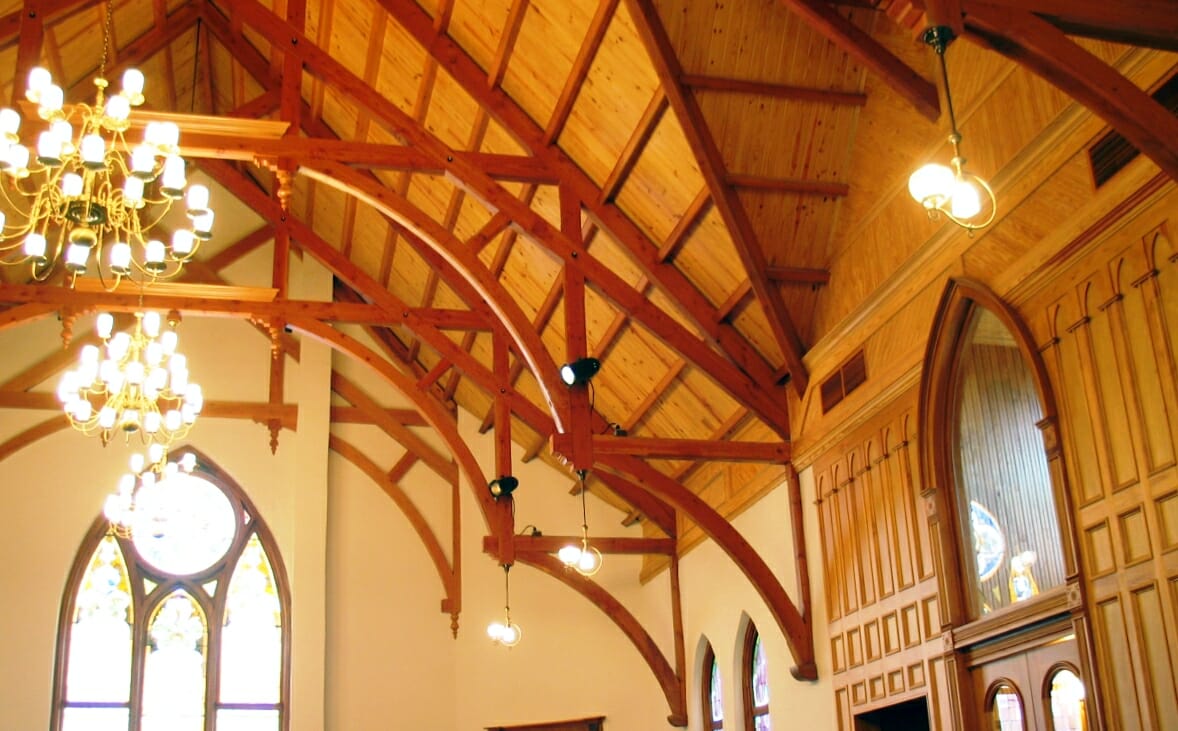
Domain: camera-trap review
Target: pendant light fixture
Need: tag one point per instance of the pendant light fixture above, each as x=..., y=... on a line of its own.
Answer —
x=505, y=633
x=585, y=559
x=964, y=198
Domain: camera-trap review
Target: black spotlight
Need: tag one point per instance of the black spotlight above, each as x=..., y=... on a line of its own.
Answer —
x=579, y=371
x=505, y=485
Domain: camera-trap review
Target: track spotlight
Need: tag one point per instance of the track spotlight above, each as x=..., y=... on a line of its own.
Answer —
x=503, y=486
x=579, y=371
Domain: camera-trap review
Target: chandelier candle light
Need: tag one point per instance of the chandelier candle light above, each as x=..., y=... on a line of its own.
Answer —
x=138, y=503
x=78, y=194
x=951, y=192
x=140, y=386
x=584, y=558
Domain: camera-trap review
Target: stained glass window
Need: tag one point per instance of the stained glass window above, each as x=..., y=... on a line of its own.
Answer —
x=159, y=591
x=713, y=697
x=757, y=680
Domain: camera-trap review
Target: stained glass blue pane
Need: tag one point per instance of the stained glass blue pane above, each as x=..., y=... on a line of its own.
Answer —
x=252, y=720
x=761, y=723
x=760, y=675
x=99, y=663
x=717, y=696
x=95, y=719
x=251, y=642
x=174, y=671
x=192, y=527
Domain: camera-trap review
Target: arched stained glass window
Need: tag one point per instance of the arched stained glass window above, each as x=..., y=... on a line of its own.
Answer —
x=756, y=682
x=713, y=697
x=181, y=627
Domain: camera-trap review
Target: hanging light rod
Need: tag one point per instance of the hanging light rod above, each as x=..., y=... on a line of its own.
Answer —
x=962, y=197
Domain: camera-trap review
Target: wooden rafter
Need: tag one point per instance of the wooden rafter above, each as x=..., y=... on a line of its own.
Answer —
x=910, y=85
x=727, y=202
x=605, y=544
x=1045, y=50
x=260, y=412
x=577, y=75
x=1150, y=23
x=691, y=302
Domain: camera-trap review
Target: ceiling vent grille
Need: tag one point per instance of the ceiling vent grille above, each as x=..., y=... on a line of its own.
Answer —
x=846, y=379
x=1112, y=151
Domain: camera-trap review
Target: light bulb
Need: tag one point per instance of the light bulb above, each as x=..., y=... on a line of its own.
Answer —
x=18, y=161
x=202, y=226
x=106, y=417
x=118, y=109
x=188, y=462
x=588, y=562
x=48, y=149
x=135, y=373
x=153, y=255
x=173, y=180
x=198, y=200
x=89, y=354
x=151, y=422
x=52, y=97
x=133, y=192
x=183, y=242
x=83, y=410
x=76, y=256
x=137, y=462
x=143, y=161
x=173, y=420
x=156, y=453
x=133, y=86
x=168, y=341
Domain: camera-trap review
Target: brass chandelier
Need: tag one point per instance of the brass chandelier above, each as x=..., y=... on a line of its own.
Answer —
x=139, y=385
x=85, y=196
x=139, y=501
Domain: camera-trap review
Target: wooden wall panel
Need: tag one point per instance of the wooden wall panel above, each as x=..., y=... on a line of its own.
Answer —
x=1112, y=327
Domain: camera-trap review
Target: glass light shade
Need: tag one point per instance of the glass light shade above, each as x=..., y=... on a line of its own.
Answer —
x=35, y=246
x=183, y=242
x=76, y=257
x=151, y=324
x=202, y=226
x=71, y=185
x=155, y=453
x=151, y=422
x=569, y=555
x=106, y=417
x=39, y=78
x=169, y=134
x=135, y=372
x=494, y=630
x=48, y=149
x=173, y=181
x=153, y=254
x=118, y=108
x=132, y=83
x=104, y=324
x=89, y=354
x=143, y=161
x=120, y=258
x=198, y=200
x=964, y=200
x=52, y=97
x=18, y=160
x=510, y=635
x=133, y=192
x=589, y=562
x=168, y=340
x=179, y=362
x=65, y=133
x=83, y=410
x=9, y=122
x=2, y=221
x=93, y=151
x=173, y=420
x=931, y=183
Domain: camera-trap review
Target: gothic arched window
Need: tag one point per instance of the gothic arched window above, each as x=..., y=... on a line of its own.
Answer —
x=180, y=625
x=756, y=681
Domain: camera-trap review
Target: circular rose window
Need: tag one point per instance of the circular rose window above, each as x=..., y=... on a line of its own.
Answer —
x=186, y=525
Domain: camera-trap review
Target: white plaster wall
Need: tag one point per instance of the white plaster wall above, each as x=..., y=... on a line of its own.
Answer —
x=716, y=597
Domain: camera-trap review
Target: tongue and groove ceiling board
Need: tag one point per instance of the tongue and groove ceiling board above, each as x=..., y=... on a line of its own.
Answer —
x=679, y=188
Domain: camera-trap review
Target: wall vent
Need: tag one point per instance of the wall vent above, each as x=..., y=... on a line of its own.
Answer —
x=1112, y=151
x=847, y=378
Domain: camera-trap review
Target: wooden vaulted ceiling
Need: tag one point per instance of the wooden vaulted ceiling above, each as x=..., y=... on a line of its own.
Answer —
x=499, y=186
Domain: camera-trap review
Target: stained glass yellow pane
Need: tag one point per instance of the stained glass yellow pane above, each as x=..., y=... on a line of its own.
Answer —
x=99, y=663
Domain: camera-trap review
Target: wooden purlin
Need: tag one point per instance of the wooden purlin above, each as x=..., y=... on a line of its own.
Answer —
x=733, y=344
x=1044, y=49
x=580, y=70
x=724, y=197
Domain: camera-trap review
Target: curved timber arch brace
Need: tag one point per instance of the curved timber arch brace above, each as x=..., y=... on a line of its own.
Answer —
x=663, y=672
x=795, y=625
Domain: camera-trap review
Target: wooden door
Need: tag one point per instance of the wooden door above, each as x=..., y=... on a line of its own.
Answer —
x=1035, y=689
